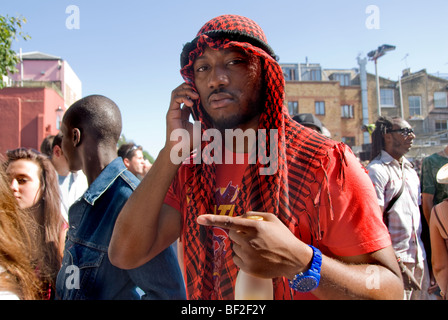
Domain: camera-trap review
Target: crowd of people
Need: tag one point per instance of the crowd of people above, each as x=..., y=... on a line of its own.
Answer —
x=84, y=220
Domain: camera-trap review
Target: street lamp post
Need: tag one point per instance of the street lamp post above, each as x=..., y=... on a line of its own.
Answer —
x=373, y=56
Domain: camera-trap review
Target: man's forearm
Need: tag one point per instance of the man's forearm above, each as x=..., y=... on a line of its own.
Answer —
x=137, y=226
x=340, y=280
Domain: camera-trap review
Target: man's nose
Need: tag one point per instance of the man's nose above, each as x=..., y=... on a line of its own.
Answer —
x=218, y=77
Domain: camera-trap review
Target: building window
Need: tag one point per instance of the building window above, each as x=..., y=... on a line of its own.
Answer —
x=292, y=74
x=293, y=107
x=440, y=100
x=387, y=97
x=441, y=125
x=415, y=106
x=315, y=75
x=319, y=107
x=347, y=111
x=343, y=78
x=350, y=141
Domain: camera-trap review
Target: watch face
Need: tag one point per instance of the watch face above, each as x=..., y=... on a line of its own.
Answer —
x=306, y=284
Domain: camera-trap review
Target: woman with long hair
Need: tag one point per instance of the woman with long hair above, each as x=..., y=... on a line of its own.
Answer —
x=18, y=279
x=34, y=184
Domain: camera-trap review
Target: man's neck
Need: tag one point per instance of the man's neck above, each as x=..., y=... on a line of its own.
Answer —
x=395, y=155
x=61, y=169
x=95, y=162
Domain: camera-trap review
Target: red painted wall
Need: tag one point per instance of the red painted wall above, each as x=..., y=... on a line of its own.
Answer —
x=27, y=116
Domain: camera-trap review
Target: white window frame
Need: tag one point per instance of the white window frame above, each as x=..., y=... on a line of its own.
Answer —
x=343, y=78
x=347, y=111
x=293, y=107
x=385, y=101
x=315, y=75
x=442, y=99
x=319, y=107
x=412, y=109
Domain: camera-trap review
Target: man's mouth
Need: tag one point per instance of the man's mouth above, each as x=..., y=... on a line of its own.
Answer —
x=409, y=144
x=220, y=100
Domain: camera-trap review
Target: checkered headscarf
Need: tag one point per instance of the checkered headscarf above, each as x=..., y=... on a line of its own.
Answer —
x=282, y=193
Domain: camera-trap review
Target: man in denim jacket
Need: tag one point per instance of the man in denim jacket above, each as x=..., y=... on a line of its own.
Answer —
x=91, y=128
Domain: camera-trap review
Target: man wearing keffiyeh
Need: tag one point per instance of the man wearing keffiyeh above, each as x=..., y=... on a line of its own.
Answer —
x=317, y=199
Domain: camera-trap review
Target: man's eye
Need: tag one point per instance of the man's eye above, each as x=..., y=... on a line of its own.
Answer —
x=201, y=68
x=236, y=61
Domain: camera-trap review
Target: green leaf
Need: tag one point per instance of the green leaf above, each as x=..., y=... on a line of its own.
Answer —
x=10, y=29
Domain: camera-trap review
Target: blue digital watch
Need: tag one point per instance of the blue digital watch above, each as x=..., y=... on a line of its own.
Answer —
x=308, y=280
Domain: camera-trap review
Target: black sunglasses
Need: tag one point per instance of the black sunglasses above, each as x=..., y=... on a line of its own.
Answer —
x=404, y=131
x=129, y=152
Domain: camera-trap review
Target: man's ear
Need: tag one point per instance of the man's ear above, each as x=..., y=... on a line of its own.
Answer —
x=126, y=162
x=57, y=151
x=76, y=137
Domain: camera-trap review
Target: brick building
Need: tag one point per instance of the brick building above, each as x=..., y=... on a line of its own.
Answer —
x=335, y=96
x=34, y=100
x=28, y=115
x=330, y=94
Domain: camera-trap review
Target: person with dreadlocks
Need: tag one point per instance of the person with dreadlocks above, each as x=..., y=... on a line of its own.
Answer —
x=398, y=190
x=318, y=204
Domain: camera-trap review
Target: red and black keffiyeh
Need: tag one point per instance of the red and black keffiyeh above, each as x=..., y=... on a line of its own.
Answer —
x=288, y=193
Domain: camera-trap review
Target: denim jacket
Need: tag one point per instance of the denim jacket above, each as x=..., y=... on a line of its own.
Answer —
x=86, y=271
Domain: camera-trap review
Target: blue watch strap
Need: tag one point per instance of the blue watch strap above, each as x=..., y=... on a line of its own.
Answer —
x=308, y=280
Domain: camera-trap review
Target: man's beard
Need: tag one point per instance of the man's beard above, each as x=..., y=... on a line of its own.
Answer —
x=233, y=121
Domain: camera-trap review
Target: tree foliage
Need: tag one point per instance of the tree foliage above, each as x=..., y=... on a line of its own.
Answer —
x=10, y=30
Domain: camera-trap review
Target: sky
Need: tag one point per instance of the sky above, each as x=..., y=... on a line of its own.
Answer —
x=129, y=50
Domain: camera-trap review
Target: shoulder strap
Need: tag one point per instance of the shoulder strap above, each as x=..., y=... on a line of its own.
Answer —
x=393, y=200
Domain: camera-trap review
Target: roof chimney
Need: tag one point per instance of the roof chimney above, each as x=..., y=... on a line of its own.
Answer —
x=406, y=72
